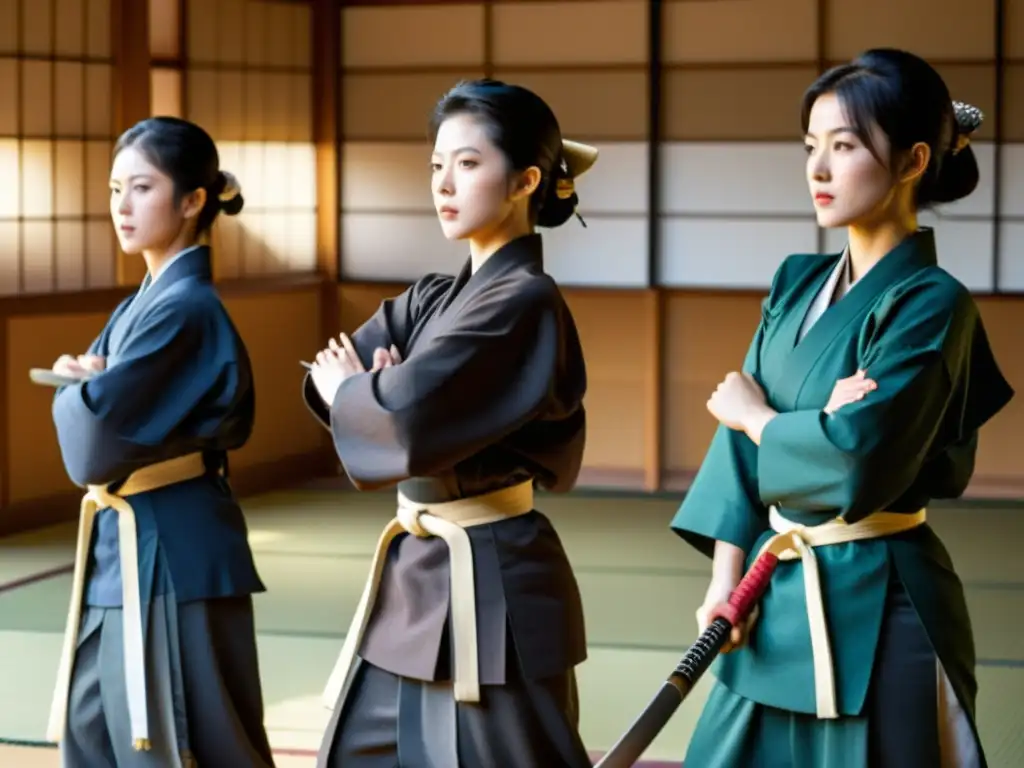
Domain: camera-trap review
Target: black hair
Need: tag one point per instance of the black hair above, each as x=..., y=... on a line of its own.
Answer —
x=908, y=100
x=187, y=154
x=524, y=128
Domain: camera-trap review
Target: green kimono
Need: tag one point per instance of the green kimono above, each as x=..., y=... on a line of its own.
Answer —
x=917, y=333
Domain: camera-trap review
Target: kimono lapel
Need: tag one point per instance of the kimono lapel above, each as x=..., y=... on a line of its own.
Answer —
x=915, y=252
x=195, y=263
x=517, y=254
x=825, y=296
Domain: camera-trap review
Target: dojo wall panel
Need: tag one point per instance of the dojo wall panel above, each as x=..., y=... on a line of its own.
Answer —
x=934, y=29
x=1013, y=29
x=1011, y=251
x=609, y=252
x=593, y=105
x=729, y=252
x=249, y=83
x=1011, y=258
x=731, y=212
x=706, y=336
x=394, y=106
x=165, y=92
x=619, y=341
x=396, y=247
x=703, y=177
x=56, y=108
x=164, y=29
x=412, y=36
x=732, y=31
x=386, y=176
x=541, y=33
x=735, y=104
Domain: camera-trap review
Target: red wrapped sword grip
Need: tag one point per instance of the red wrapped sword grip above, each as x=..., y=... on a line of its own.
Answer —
x=750, y=589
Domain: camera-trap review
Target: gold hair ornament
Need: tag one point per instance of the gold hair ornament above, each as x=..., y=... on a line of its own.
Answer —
x=231, y=187
x=577, y=159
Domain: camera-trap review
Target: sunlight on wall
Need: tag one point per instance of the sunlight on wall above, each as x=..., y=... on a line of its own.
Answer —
x=249, y=83
x=56, y=125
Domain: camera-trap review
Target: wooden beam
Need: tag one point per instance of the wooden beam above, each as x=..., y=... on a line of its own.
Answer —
x=326, y=37
x=654, y=461
x=326, y=34
x=129, y=37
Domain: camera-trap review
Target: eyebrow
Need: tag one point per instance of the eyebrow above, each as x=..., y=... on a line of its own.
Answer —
x=840, y=129
x=461, y=149
x=132, y=178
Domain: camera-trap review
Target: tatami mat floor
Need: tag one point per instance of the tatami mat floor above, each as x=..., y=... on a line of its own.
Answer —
x=640, y=585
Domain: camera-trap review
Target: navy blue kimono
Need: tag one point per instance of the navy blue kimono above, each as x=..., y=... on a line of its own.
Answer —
x=177, y=381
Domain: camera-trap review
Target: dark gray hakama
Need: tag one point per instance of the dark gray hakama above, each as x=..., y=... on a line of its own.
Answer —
x=388, y=720
x=204, y=698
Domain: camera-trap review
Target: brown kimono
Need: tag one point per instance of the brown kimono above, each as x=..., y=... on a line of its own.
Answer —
x=489, y=395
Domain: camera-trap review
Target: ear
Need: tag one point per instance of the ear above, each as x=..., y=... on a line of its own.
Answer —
x=193, y=202
x=916, y=162
x=527, y=183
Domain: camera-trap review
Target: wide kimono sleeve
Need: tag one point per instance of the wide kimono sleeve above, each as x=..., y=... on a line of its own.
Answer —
x=391, y=324
x=722, y=503
x=120, y=420
x=488, y=373
x=938, y=382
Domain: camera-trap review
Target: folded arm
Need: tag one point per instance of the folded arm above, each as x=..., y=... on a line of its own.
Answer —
x=865, y=455
x=455, y=394
x=119, y=420
x=391, y=324
x=722, y=503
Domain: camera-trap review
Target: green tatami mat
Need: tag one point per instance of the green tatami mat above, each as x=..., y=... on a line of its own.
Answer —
x=316, y=596
x=27, y=555
x=641, y=584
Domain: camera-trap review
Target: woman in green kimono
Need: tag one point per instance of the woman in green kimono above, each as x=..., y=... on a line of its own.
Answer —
x=859, y=401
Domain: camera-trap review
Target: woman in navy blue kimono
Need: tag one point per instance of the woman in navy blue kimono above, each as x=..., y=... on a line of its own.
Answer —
x=159, y=666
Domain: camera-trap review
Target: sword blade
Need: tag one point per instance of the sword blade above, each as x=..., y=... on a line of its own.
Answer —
x=631, y=746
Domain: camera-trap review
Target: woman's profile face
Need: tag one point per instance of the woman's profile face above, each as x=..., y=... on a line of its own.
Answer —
x=142, y=204
x=848, y=185
x=470, y=179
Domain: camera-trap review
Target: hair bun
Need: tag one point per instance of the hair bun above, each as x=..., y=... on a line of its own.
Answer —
x=230, y=196
x=959, y=173
x=560, y=199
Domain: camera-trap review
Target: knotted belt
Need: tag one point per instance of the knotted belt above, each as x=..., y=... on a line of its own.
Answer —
x=448, y=521
x=97, y=497
x=793, y=541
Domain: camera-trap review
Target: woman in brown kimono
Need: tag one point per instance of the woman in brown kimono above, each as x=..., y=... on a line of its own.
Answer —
x=467, y=391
